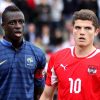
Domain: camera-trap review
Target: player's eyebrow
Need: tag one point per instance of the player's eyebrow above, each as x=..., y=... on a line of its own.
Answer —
x=77, y=27
x=88, y=27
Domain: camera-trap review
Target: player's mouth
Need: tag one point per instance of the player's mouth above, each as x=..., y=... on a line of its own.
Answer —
x=81, y=39
x=18, y=33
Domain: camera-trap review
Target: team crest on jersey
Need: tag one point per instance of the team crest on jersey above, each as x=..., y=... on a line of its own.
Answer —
x=92, y=69
x=29, y=60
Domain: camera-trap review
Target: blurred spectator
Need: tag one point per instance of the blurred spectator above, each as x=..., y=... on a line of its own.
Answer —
x=45, y=35
x=88, y=4
x=37, y=2
x=56, y=13
x=43, y=14
x=31, y=5
x=69, y=7
x=27, y=7
x=56, y=18
x=38, y=42
x=68, y=36
x=30, y=35
x=58, y=39
x=22, y=5
x=98, y=3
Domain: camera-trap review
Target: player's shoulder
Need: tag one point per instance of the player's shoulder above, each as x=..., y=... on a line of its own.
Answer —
x=95, y=54
x=2, y=47
x=34, y=48
x=0, y=42
x=98, y=51
x=63, y=52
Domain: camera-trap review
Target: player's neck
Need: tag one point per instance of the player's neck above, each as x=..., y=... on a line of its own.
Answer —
x=84, y=51
x=16, y=43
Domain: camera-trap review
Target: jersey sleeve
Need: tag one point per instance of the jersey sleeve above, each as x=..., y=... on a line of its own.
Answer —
x=39, y=78
x=51, y=77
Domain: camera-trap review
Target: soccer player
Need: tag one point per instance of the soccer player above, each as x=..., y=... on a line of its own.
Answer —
x=75, y=71
x=21, y=63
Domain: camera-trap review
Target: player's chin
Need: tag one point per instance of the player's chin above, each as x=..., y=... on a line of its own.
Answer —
x=82, y=45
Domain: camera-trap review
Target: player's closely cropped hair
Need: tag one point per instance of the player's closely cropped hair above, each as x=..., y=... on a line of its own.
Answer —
x=9, y=9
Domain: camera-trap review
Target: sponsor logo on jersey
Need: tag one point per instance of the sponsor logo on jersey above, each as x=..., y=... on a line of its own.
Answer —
x=63, y=66
x=92, y=69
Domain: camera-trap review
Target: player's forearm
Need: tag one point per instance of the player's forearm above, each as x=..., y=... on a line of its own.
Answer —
x=48, y=92
x=45, y=97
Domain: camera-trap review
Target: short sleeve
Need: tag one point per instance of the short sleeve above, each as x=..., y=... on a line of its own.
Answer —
x=39, y=78
x=51, y=77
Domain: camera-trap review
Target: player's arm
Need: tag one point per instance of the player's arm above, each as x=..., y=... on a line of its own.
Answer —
x=39, y=79
x=48, y=92
x=39, y=82
x=51, y=81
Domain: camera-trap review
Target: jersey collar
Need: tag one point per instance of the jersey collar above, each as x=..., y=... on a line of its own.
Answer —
x=9, y=44
x=5, y=42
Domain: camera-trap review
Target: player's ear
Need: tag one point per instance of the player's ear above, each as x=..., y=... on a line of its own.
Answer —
x=97, y=31
x=3, y=25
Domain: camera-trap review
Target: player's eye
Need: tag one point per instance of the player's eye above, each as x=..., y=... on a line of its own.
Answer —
x=77, y=27
x=11, y=23
x=21, y=21
x=87, y=28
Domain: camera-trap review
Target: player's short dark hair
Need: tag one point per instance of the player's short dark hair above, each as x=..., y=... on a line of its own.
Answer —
x=86, y=14
x=11, y=8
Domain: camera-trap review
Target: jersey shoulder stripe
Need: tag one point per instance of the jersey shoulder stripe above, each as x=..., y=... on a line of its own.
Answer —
x=95, y=53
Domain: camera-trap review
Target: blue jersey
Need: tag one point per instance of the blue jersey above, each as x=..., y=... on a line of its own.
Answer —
x=20, y=71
